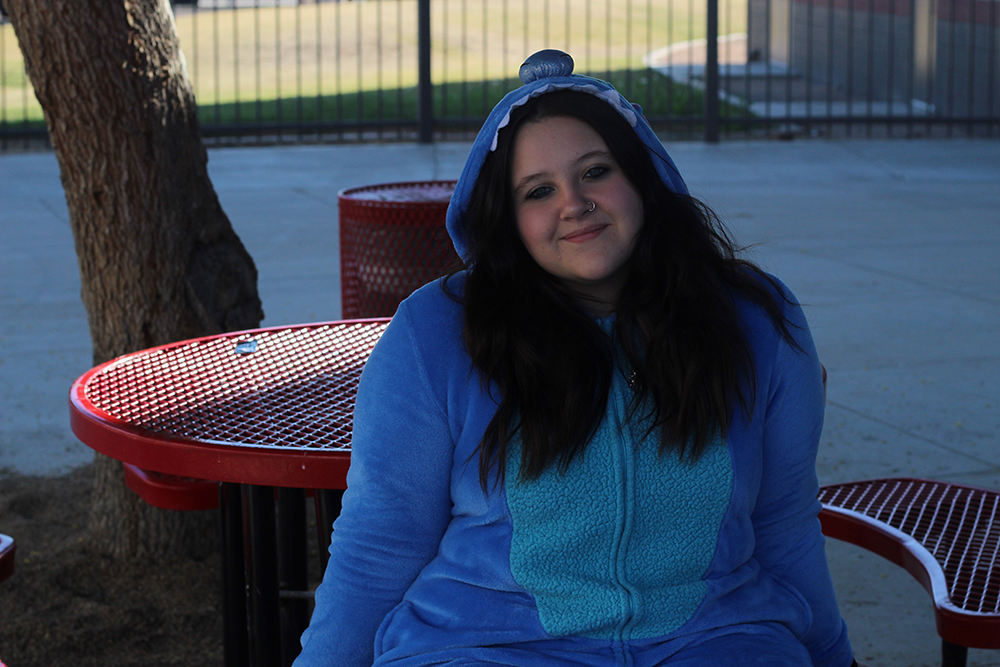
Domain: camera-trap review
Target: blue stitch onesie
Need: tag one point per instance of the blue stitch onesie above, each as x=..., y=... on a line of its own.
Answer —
x=629, y=558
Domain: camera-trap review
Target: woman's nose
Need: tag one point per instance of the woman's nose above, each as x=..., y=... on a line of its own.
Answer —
x=576, y=205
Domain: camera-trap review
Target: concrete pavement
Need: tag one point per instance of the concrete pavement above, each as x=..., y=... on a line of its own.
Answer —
x=892, y=245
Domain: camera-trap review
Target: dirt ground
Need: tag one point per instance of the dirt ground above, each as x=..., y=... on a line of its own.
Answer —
x=64, y=605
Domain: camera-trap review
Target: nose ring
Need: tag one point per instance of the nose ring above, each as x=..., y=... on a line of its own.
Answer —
x=592, y=208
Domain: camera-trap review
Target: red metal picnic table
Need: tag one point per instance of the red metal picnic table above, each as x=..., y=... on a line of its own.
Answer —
x=253, y=410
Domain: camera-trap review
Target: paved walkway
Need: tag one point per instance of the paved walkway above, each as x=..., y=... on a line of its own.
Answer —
x=892, y=245
x=773, y=90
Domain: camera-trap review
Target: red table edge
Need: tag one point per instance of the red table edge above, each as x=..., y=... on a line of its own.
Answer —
x=104, y=433
x=8, y=550
x=955, y=625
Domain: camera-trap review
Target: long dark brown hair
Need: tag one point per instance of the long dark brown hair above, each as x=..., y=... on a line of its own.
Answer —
x=676, y=319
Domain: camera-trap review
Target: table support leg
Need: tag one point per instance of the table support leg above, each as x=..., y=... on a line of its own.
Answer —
x=262, y=576
x=953, y=655
x=328, y=503
x=293, y=569
x=234, y=594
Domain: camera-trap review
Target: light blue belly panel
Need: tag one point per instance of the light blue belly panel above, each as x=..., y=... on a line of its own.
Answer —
x=616, y=547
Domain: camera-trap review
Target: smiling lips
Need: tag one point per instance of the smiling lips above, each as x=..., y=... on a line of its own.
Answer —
x=585, y=234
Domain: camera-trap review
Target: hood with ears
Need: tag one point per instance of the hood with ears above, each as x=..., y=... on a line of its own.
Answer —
x=542, y=73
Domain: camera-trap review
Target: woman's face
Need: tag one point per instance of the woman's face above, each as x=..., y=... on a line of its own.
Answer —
x=559, y=166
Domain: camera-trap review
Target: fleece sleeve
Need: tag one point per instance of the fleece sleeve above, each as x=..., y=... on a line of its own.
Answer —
x=789, y=543
x=396, y=507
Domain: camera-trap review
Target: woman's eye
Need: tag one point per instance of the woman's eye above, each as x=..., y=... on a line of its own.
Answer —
x=538, y=192
x=597, y=172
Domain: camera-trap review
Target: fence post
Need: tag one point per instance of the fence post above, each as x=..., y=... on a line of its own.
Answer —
x=425, y=108
x=712, y=73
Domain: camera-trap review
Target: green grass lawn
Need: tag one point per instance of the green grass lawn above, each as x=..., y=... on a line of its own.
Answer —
x=350, y=60
x=658, y=95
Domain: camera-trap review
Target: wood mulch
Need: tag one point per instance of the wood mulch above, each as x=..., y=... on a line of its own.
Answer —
x=66, y=605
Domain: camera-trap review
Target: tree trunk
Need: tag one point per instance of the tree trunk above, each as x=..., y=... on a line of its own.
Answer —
x=159, y=260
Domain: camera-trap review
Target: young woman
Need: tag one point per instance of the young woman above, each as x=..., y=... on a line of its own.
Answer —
x=596, y=445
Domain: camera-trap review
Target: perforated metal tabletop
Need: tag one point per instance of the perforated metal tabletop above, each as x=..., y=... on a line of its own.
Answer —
x=270, y=406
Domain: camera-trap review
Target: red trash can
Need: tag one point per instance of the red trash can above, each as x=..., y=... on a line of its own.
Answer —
x=392, y=241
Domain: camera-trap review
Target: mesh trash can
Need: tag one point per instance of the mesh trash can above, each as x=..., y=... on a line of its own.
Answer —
x=392, y=241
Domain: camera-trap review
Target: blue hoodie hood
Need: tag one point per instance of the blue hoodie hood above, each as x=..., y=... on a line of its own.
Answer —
x=542, y=73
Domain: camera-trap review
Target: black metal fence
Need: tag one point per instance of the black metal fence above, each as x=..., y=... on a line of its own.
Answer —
x=291, y=71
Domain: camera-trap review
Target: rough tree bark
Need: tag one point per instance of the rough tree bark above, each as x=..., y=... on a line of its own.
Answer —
x=159, y=260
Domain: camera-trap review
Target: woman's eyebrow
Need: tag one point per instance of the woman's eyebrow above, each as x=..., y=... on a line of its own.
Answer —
x=524, y=182
x=595, y=153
